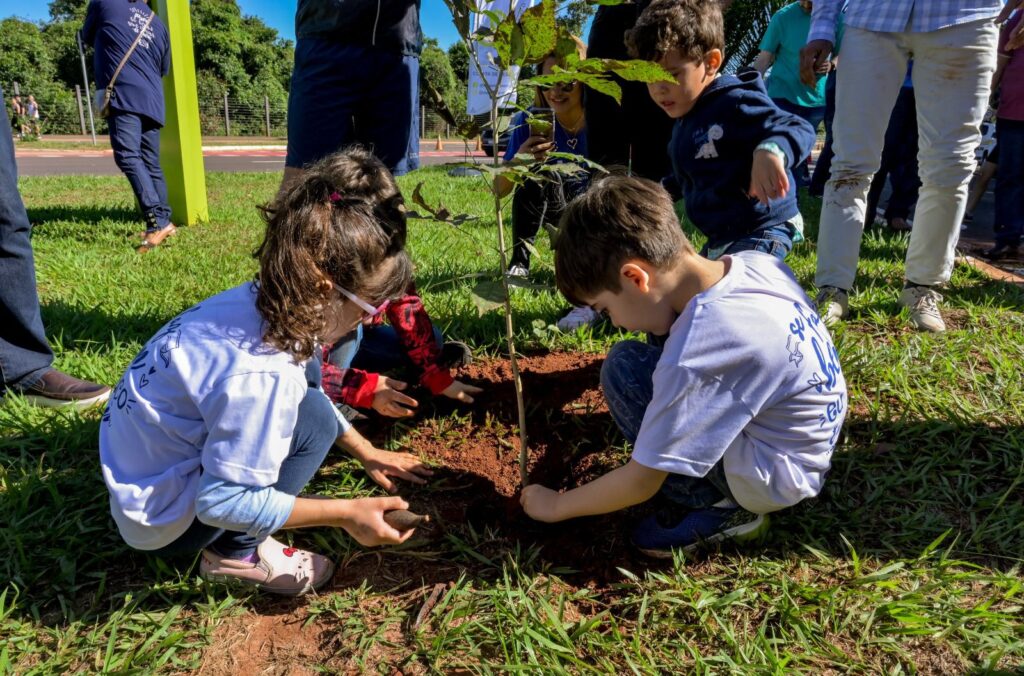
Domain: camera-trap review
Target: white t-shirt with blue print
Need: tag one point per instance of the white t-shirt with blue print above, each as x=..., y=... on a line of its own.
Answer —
x=749, y=376
x=205, y=400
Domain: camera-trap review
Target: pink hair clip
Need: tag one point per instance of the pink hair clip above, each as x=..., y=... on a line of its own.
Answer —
x=335, y=197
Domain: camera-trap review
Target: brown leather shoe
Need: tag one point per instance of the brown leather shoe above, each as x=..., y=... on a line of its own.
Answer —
x=156, y=238
x=57, y=388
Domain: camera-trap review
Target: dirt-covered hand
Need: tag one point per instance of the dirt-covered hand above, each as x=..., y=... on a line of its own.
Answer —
x=813, y=57
x=365, y=521
x=540, y=503
x=388, y=399
x=460, y=391
x=381, y=465
x=768, y=179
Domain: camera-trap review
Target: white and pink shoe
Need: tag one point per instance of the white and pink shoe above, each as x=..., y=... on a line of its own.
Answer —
x=280, y=569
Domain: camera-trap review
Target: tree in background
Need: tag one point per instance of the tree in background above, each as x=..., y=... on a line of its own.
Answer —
x=574, y=16
x=235, y=54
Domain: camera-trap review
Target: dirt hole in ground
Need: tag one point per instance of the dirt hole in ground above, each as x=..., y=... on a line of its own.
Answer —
x=474, y=496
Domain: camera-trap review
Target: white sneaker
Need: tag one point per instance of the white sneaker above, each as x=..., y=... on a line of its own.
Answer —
x=577, y=317
x=923, y=302
x=518, y=271
x=833, y=304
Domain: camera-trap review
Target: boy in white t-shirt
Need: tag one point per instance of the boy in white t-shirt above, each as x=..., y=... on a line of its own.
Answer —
x=736, y=415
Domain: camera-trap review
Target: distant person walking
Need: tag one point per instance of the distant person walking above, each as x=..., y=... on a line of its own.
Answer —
x=26, y=359
x=355, y=81
x=32, y=116
x=136, y=104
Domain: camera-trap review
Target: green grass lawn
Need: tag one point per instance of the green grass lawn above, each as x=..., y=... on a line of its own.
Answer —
x=910, y=560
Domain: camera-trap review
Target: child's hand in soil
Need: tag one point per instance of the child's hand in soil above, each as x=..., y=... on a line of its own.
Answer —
x=364, y=521
x=540, y=503
x=460, y=391
x=383, y=464
x=388, y=399
x=768, y=179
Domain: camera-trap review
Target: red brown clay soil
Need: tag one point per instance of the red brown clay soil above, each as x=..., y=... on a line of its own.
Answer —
x=266, y=643
x=476, y=487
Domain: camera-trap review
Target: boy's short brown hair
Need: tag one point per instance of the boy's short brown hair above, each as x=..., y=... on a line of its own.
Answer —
x=694, y=27
x=619, y=218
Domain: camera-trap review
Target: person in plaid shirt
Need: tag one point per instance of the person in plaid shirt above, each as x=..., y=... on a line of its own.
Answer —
x=352, y=367
x=954, y=47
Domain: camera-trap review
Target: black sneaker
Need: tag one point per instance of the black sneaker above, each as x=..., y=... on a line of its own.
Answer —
x=1001, y=251
x=455, y=354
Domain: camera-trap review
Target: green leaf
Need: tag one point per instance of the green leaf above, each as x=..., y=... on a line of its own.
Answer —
x=488, y=295
x=540, y=32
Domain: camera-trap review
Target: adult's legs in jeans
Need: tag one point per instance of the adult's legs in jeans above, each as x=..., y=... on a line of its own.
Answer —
x=1009, y=214
x=823, y=167
x=150, y=148
x=872, y=68
x=952, y=75
x=384, y=113
x=315, y=431
x=25, y=355
x=126, y=130
x=627, y=379
x=814, y=117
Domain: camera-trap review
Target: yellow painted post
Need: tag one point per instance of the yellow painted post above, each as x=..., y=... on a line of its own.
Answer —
x=181, y=143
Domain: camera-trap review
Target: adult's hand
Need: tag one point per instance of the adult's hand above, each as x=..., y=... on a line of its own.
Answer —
x=1016, y=38
x=538, y=146
x=814, y=58
x=388, y=399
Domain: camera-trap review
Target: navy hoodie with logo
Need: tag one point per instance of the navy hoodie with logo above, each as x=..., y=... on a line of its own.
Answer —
x=712, y=153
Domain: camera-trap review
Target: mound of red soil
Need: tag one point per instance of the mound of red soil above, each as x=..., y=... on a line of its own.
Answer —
x=572, y=440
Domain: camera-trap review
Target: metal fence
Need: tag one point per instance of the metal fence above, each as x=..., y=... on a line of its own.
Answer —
x=66, y=112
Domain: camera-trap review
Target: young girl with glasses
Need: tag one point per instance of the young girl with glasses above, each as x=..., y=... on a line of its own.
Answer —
x=219, y=423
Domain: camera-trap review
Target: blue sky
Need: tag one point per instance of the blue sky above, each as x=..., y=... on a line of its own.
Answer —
x=279, y=14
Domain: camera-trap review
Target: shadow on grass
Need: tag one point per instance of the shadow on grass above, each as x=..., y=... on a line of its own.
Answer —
x=41, y=216
x=78, y=324
x=895, y=487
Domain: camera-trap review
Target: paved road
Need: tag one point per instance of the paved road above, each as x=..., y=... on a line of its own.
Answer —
x=101, y=162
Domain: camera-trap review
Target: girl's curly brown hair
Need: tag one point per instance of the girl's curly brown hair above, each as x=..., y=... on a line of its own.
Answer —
x=343, y=220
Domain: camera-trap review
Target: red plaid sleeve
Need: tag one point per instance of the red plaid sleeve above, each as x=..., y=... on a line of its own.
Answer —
x=416, y=335
x=347, y=386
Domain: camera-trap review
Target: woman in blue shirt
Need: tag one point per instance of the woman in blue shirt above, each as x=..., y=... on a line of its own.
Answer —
x=542, y=202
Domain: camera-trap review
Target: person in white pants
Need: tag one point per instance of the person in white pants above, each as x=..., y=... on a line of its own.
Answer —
x=953, y=43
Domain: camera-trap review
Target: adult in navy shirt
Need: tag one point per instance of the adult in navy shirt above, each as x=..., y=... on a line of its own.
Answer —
x=355, y=81
x=137, y=103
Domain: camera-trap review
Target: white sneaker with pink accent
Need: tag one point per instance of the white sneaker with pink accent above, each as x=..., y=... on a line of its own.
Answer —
x=280, y=570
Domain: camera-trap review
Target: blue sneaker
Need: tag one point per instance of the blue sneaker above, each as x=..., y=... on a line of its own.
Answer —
x=655, y=536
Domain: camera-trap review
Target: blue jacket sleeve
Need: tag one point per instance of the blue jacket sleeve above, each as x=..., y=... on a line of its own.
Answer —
x=259, y=512
x=89, y=26
x=791, y=133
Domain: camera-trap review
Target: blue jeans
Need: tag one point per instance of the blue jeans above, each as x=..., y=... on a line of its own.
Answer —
x=375, y=349
x=776, y=241
x=342, y=95
x=815, y=116
x=1009, y=222
x=24, y=353
x=627, y=379
x=823, y=167
x=315, y=432
x=136, y=143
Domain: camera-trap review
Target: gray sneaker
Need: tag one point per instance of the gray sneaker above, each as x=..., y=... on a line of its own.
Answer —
x=833, y=304
x=923, y=302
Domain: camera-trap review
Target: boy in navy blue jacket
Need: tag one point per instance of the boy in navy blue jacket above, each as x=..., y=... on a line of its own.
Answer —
x=732, y=149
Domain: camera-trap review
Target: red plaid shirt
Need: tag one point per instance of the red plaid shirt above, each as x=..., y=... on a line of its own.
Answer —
x=416, y=335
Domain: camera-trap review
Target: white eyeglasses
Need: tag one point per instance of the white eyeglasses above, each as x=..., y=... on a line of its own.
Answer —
x=366, y=307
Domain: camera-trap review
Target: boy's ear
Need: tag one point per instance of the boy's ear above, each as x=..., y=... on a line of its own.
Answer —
x=713, y=61
x=636, y=275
